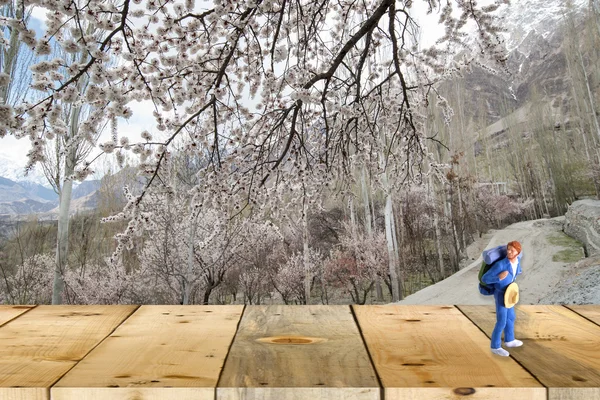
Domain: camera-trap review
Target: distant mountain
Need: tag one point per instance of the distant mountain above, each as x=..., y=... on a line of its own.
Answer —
x=15, y=171
x=13, y=191
x=25, y=198
x=39, y=191
x=86, y=188
x=21, y=195
x=536, y=63
x=542, y=17
x=25, y=206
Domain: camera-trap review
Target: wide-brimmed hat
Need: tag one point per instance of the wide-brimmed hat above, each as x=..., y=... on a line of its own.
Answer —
x=511, y=296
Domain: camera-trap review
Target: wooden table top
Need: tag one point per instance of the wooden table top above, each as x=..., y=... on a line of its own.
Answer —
x=295, y=352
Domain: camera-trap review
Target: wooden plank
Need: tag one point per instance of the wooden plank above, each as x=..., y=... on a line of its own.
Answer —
x=160, y=352
x=560, y=348
x=435, y=352
x=589, y=311
x=43, y=344
x=298, y=352
x=8, y=313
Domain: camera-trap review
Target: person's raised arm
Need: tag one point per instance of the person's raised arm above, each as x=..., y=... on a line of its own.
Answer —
x=495, y=274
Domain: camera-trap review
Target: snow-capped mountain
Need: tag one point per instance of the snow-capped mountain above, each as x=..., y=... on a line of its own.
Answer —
x=540, y=16
x=535, y=38
x=15, y=171
x=24, y=198
x=31, y=194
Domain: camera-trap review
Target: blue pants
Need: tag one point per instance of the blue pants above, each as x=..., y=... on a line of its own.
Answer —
x=505, y=321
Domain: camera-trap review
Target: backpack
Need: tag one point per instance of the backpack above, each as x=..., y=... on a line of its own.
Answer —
x=483, y=288
x=489, y=256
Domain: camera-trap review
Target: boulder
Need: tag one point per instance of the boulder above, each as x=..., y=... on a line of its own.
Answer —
x=582, y=222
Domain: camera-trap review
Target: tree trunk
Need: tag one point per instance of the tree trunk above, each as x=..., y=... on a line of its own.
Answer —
x=399, y=223
x=461, y=216
x=207, y=292
x=352, y=216
x=396, y=252
x=455, y=239
x=365, y=193
x=396, y=295
x=11, y=54
x=369, y=221
x=591, y=159
x=307, y=275
x=438, y=234
x=188, y=277
x=62, y=236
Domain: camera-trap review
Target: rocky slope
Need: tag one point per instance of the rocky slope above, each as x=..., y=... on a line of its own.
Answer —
x=582, y=221
x=536, y=63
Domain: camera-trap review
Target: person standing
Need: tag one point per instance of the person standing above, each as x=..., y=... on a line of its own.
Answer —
x=501, y=275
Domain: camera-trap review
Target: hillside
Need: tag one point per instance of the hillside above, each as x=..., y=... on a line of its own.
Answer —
x=545, y=279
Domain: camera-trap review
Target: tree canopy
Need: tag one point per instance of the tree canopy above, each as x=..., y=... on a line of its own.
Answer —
x=282, y=96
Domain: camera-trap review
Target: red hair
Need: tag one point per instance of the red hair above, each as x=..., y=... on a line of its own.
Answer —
x=516, y=245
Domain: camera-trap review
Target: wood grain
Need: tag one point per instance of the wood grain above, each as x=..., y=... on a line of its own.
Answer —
x=44, y=343
x=299, y=393
x=159, y=348
x=435, y=352
x=8, y=313
x=298, y=352
x=590, y=311
x=133, y=393
x=561, y=349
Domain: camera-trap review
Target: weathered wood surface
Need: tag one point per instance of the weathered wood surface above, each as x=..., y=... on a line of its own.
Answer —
x=561, y=348
x=298, y=352
x=590, y=311
x=295, y=352
x=8, y=313
x=156, y=349
x=40, y=346
x=435, y=352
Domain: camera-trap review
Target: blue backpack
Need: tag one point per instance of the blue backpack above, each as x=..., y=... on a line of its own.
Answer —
x=490, y=256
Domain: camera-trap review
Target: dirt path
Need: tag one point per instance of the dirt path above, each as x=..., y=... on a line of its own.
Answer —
x=540, y=273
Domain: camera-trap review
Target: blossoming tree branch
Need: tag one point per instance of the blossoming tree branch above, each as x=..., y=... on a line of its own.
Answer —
x=284, y=97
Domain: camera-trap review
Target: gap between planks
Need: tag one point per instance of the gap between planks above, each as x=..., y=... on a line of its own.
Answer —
x=364, y=342
x=25, y=307
x=573, y=309
x=237, y=329
x=91, y=349
x=517, y=361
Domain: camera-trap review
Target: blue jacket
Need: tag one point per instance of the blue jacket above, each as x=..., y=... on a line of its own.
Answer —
x=491, y=277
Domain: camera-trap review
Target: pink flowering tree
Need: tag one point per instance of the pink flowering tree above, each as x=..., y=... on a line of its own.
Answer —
x=31, y=283
x=494, y=208
x=257, y=260
x=187, y=256
x=290, y=279
x=106, y=283
x=355, y=266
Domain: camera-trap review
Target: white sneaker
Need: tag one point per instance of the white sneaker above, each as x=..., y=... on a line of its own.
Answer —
x=501, y=352
x=514, y=343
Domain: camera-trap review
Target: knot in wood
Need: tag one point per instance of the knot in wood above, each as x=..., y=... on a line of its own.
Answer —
x=464, y=391
x=294, y=340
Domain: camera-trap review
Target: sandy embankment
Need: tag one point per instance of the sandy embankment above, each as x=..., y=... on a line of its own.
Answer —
x=543, y=281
